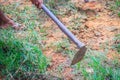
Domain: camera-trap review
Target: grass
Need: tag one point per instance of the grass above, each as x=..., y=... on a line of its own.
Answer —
x=115, y=7
x=21, y=56
x=54, y=3
x=19, y=60
x=118, y=5
x=96, y=66
x=101, y=71
x=61, y=45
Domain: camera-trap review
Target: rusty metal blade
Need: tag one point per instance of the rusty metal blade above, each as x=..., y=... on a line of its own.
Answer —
x=79, y=55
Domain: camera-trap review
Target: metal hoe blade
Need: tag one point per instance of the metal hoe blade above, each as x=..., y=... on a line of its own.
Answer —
x=80, y=54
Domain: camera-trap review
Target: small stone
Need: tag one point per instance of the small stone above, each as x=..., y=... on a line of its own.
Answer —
x=112, y=28
x=97, y=33
x=89, y=70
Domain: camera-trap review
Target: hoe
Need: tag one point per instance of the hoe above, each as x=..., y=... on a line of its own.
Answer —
x=81, y=46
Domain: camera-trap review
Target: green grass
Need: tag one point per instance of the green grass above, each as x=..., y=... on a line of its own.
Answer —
x=21, y=56
x=61, y=45
x=96, y=66
x=101, y=71
x=115, y=7
x=118, y=6
x=55, y=3
x=18, y=59
x=117, y=3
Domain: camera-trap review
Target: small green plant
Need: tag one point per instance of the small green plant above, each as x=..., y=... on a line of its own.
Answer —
x=18, y=59
x=117, y=3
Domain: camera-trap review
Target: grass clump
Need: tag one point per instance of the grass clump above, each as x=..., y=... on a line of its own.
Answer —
x=101, y=71
x=97, y=66
x=18, y=59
